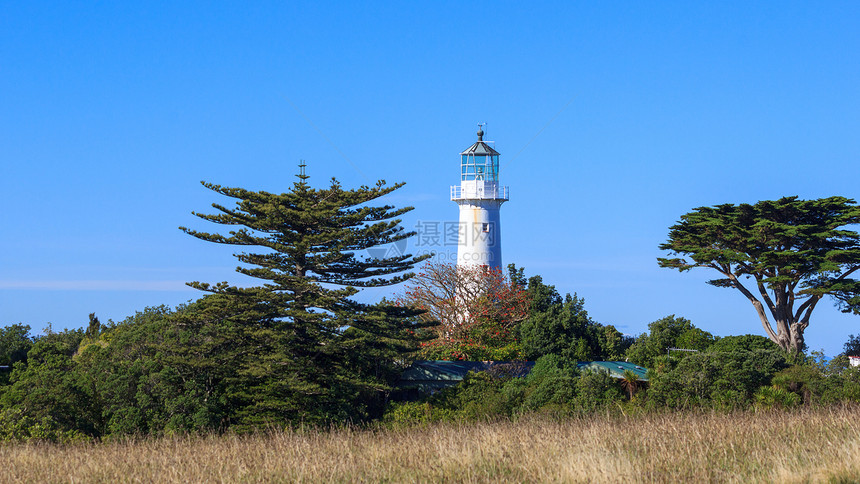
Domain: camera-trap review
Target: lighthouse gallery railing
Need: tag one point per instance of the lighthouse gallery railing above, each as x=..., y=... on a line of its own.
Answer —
x=479, y=193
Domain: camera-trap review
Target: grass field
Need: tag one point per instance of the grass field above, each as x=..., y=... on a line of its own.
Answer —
x=812, y=445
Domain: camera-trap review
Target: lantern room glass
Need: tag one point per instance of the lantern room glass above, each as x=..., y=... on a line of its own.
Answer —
x=479, y=167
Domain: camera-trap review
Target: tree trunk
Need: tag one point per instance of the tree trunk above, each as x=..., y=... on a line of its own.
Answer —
x=797, y=342
x=783, y=336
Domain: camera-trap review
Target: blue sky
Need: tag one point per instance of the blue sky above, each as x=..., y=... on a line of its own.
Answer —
x=613, y=119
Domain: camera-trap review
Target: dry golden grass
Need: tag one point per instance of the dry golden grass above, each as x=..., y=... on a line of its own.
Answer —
x=821, y=445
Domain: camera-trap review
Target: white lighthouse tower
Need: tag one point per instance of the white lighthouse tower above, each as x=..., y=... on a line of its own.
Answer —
x=480, y=197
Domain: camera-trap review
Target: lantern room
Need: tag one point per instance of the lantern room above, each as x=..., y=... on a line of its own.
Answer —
x=479, y=162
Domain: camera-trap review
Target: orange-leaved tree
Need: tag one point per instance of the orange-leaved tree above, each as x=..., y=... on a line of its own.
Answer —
x=477, y=309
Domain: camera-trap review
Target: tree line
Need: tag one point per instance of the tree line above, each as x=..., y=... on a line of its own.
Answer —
x=299, y=349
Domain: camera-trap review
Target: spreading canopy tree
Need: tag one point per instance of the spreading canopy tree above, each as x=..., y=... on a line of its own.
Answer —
x=302, y=328
x=793, y=252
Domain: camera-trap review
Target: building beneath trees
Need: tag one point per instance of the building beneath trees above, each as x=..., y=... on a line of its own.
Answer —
x=427, y=377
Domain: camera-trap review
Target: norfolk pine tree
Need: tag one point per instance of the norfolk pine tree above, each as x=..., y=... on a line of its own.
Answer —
x=794, y=252
x=304, y=331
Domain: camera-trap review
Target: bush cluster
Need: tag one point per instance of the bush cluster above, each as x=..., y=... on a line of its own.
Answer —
x=729, y=373
x=553, y=387
x=166, y=371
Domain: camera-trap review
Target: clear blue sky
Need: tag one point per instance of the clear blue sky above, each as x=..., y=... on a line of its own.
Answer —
x=613, y=119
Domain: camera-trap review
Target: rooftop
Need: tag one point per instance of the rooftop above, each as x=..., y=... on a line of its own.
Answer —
x=454, y=371
x=480, y=148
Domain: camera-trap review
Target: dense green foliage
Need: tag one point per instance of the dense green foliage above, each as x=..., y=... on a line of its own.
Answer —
x=45, y=397
x=305, y=342
x=167, y=371
x=795, y=252
x=507, y=318
x=852, y=346
x=561, y=326
x=553, y=386
x=719, y=379
x=148, y=374
x=729, y=373
x=15, y=343
x=295, y=349
x=159, y=371
x=299, y=349
x=665, y=333
x=745, y=342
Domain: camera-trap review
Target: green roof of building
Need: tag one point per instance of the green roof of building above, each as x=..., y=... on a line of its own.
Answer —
x=451, y=372
x=457, y=370
x=616, y=369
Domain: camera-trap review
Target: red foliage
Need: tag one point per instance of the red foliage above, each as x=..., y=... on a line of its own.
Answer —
x=475, y=306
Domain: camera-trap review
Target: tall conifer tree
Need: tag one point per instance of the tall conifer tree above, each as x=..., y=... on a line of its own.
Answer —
x=302, y=332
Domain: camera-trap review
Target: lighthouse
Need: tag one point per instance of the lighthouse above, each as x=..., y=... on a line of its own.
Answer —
x=479, y=196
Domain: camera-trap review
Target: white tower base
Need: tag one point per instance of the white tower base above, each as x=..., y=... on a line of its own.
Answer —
x=479, y=237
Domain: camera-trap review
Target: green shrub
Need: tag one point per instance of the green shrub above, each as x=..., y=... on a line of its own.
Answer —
x=669, y=332
x=551, y=382
x=558, y=392
x=411, y=413
x=553, y=387
x=850, y=382
x=596, y=390
x=17, y=426
x=480, y=395
x=714, y=379
x=775, y=397
x=812, y=386
x=745, y=342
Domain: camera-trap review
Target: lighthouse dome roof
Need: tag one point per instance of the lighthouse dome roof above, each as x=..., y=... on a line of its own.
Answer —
x=480, y=148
